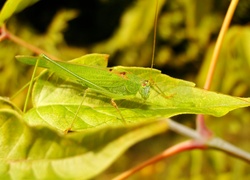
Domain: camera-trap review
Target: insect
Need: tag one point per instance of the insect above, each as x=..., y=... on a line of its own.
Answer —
x=115, y=83
x=109, y=82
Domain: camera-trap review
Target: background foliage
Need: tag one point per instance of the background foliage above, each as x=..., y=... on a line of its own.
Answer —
x=186, y=33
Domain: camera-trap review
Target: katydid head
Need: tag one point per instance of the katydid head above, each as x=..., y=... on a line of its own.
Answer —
x=145, y=89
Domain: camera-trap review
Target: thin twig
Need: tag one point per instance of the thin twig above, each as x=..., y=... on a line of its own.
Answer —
x=200, y=123
x=222, y=145
x=25, y=44
x=184, y=146
x=3, y=33
x=219, y=41
x=197, y=142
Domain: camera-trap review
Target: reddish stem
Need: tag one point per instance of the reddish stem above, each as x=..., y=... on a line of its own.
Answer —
x=184, y=146
x=200, y=123
x=201, y=127
x=5, y=34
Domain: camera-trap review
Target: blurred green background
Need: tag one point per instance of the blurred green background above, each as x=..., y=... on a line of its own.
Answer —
x=186, y=33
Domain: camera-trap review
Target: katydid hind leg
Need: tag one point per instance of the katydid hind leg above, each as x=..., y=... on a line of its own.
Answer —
x=118, y=110
x=76, y=113
x=30, y=86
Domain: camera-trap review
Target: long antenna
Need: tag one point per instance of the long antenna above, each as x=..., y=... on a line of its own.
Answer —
x=154, y=41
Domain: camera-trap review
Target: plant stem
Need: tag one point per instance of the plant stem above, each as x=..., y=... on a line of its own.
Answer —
x=220, y=144
x=197, y=142
x=200, y=123
x=218, y=44
x=5, y=34
x=186, y=145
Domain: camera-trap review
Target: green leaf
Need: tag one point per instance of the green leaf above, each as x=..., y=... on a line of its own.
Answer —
x=56, y=102
x=14, y=6
x=41, y=153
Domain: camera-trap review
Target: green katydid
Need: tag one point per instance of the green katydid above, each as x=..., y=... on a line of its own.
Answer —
x=114, y=83
x=109, y=82
x=117, y=83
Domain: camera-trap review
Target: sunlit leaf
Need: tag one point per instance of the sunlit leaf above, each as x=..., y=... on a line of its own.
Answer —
x=57, y=101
